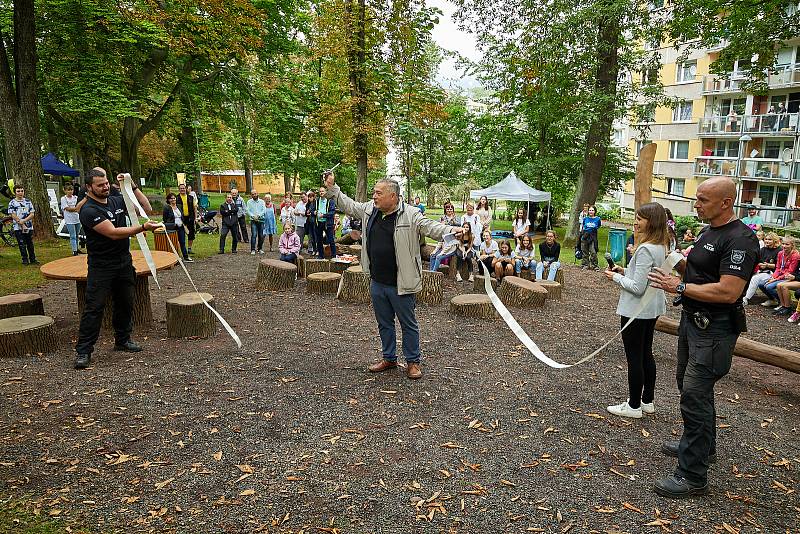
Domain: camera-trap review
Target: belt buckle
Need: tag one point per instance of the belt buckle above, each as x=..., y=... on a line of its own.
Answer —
x=701, y=320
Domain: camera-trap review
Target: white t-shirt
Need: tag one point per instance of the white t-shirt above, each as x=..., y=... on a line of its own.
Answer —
x=520, y=225
x=299, y=214
x=178, y=216
x=476, y=227
x=523, y=252
x=70, y=217
x=287, y=214
x=489, y=249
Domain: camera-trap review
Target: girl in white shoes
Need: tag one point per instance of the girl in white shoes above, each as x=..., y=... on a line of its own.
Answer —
x=650, y=251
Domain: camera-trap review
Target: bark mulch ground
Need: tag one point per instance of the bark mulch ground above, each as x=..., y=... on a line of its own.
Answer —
x=292, y=434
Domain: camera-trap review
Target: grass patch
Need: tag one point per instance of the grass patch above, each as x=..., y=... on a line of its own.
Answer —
x=17, y=519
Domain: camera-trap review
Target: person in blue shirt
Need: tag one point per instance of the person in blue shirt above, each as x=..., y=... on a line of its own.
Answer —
x=589, y=240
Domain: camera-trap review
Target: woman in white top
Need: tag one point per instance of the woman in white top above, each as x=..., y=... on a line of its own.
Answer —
x=521, y=225
x=650, y=251
x=487, y=250
x=484, y=212
x=72, y=219
x=524, y=256
x=300, y=218
x=474, y=224
x=287, y=213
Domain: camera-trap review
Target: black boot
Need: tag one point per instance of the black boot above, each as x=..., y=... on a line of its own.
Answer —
x=128, y=346
x=676, y=487
x=82, y=361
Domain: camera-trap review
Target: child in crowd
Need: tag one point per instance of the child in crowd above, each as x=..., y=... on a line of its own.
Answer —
x=289, y=243
x=521, y=225
x=760, y=236
x=465, y=253
x=524, y=255
x=487, y=251
x=503, y=263
x=269, y=227
x=287, y=212
x=549, y=252
x=484, y=213
x=443, y=251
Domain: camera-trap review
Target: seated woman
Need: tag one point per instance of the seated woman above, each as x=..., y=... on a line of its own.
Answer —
x=442, y=251
x=785, y=289
x=173, y=220
x=785, y=265
x=524, y=255
x=486, y=251
x=767, y=257
x=289, y=243
x=503, y=262
x=549, y=252
x=464, y=252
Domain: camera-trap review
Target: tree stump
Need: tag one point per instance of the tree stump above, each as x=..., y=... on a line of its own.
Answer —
x=451, y=272
x=472, y=305
x=355, y=250
x=425, y=251
x=553, y=289
x=301, y=266
x=275, y=275
x=432, y=290
x=321, y=283
x=340, y=266
x=355, y=286
x=21, y=304
x=514, y=291
x=560, y=276
x=480, y=285
x=142, y=311
x=160, y=238
x=316, y=265
x=28, y=334
x=187, y=316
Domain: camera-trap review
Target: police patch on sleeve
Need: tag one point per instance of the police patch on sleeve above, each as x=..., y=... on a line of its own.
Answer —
x=737, y=256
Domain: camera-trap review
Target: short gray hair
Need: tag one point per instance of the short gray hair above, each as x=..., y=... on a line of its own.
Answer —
x=393, y=185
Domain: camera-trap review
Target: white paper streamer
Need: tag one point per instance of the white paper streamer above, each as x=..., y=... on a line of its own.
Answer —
x=131, y=204
x=669, y=263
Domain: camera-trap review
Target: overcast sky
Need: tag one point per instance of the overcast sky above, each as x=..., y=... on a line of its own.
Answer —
x=448, y=36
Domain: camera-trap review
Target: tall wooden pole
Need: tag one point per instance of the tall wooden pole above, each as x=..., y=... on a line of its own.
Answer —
x=643, y=184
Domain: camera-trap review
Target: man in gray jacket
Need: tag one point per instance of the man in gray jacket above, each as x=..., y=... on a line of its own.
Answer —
x=390, y=254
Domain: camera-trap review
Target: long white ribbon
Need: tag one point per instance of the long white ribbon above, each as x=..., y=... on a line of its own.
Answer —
x=132, y=203
x=669, y=263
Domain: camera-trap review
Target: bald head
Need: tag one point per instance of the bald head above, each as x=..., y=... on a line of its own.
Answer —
x=718, y=188
x=715, y=198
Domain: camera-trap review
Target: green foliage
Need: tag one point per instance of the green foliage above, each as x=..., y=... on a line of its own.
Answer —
x=682, y=222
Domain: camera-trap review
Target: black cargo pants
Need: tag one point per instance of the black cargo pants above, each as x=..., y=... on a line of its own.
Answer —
x=118, y=282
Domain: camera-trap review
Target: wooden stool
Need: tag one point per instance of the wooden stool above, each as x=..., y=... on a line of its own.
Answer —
x=560, y=276
x=160, y=240
x=21, y=304
x=425, y=251
x=451, y=272
x=472, y=305
x=514, y=291
x=355, y=286
x=320, y=283
x=28, y=334
x=316, y=265
x=340, y=266
x=355, y=250
x=480, y=287
x=187, y=316
x=432, y=291
x=553, y=289
x=276, y=275
x=300, y=261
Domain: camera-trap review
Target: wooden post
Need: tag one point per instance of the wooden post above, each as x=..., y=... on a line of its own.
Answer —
x=21, y=304
x=187, y=316
x=643, y=183
x=29, y=334
x=432, y=291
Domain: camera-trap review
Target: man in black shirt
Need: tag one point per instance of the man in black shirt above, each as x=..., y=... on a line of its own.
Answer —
x=111, y=270
x=715, y=276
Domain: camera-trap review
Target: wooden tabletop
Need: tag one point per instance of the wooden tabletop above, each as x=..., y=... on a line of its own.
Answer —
x=76, y=268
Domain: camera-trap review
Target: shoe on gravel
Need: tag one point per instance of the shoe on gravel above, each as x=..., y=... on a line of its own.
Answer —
x=625, y=410
x=676, y=487
x=649, y=407
x=769, y=303
x=82, y=361
x=128, y=346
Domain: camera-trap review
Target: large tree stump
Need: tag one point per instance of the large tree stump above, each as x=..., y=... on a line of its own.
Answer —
x=553, y=289
x=425, y=251
x=301, y=266
x=559, y=276
x=142, y=311
x=472, y=305
x=187, y=316
x=355, y=250
x=321, y=283
x=355, y=286
x=451, y=272
x=275, y=275
x=432, y=290
x=21, y=304
x=316, y=265
x=28, y=334
x=340, y=266
x=514, y=291
x=480, y=284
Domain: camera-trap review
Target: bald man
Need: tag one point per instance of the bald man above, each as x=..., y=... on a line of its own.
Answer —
x=715, y=277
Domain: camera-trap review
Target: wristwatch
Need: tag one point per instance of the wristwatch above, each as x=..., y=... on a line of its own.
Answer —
x=680, y=288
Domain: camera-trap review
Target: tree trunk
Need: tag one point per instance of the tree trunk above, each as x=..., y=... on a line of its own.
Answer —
x=356, y=63
x=129, y=146
x=191, y=155
x=30, y=334
x=19, y=114
x=599, y=135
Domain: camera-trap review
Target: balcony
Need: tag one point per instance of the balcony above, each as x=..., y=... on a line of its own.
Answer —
x=766, y=169
x=767, y=125
x=781, y=77
x=715, y=166
x=752, y=168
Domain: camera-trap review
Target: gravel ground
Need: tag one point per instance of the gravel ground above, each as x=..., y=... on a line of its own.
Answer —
x=292, y=434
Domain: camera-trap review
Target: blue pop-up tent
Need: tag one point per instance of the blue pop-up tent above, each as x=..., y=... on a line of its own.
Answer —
x=56, y=167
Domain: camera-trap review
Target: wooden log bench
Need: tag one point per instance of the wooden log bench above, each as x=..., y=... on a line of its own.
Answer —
x=27, y=334
x=21, y=304
x=519, y=293
x=473, y=305
x=316, y=265
x=187, y=316
x=480, y=285
x=432, y=291
x=355, y=286
x=553, y=289
x=340, y=266
x=321, y=283
x=275, y=275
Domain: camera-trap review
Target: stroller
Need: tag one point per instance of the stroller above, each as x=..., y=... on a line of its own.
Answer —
x=208, y=223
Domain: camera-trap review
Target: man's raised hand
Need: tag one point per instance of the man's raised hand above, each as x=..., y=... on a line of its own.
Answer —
x=329, y=179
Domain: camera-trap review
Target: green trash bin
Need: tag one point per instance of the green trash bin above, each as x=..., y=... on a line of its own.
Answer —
x=617, y=238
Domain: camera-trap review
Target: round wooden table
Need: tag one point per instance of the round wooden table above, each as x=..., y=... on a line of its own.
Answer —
x=76, y=268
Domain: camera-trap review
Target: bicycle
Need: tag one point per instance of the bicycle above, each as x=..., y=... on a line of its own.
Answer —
x=7, y=229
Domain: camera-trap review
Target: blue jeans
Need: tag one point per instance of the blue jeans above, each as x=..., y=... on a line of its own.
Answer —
x=388, y=304
x=769, y=289
x=518, y=265
x=73, y=230
x=551, y=273
x=256, y=235
x=437, y=259
x=291, y=257
x=182, y=241
x=324, y=235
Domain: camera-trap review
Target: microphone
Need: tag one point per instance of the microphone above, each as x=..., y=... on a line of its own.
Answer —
x=610, y=261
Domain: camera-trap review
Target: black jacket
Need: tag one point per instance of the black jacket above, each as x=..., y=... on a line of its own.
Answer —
x=230, y=214
x=168, y=216
x=179, y=203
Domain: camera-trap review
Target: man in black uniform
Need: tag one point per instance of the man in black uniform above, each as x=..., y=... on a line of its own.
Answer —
x=111, y=270
x=715, y=277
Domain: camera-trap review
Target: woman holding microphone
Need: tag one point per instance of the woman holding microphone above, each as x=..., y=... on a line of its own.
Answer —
x=650, y=251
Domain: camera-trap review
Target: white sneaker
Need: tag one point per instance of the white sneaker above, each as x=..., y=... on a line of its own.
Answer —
x=252, y=252
x=472, y=278
x=778, y=307
x=745, y=302
x=769, y=303
x=260, y=251
x=649, y=407
x=624, y=410
x=458, y=277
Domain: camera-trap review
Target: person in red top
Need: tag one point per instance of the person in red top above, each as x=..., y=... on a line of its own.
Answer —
x=785, y=266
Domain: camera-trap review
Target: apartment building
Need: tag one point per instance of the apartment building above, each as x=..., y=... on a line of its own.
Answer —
x=718, y=129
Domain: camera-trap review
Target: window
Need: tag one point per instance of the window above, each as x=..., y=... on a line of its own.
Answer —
x=676, y=186
x=683, y=112
x=728, y=149
x=640, y=145
x=687, y=71
x=726, y=103
x=619, y=137
x=650, y=76
x=679, y=150
x=774, y=149
x=773, y=195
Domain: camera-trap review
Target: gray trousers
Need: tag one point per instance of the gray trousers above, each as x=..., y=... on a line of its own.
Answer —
x=704, y=356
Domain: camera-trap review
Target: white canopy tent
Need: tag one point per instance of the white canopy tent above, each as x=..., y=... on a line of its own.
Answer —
x=512, y=188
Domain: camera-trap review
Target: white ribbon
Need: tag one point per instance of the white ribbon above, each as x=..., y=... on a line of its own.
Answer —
x=669, y=263
x=132, y=203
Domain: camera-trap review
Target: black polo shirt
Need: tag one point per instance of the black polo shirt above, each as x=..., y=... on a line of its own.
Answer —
x=104, y=251
x=380, y=249
x=730, y=249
